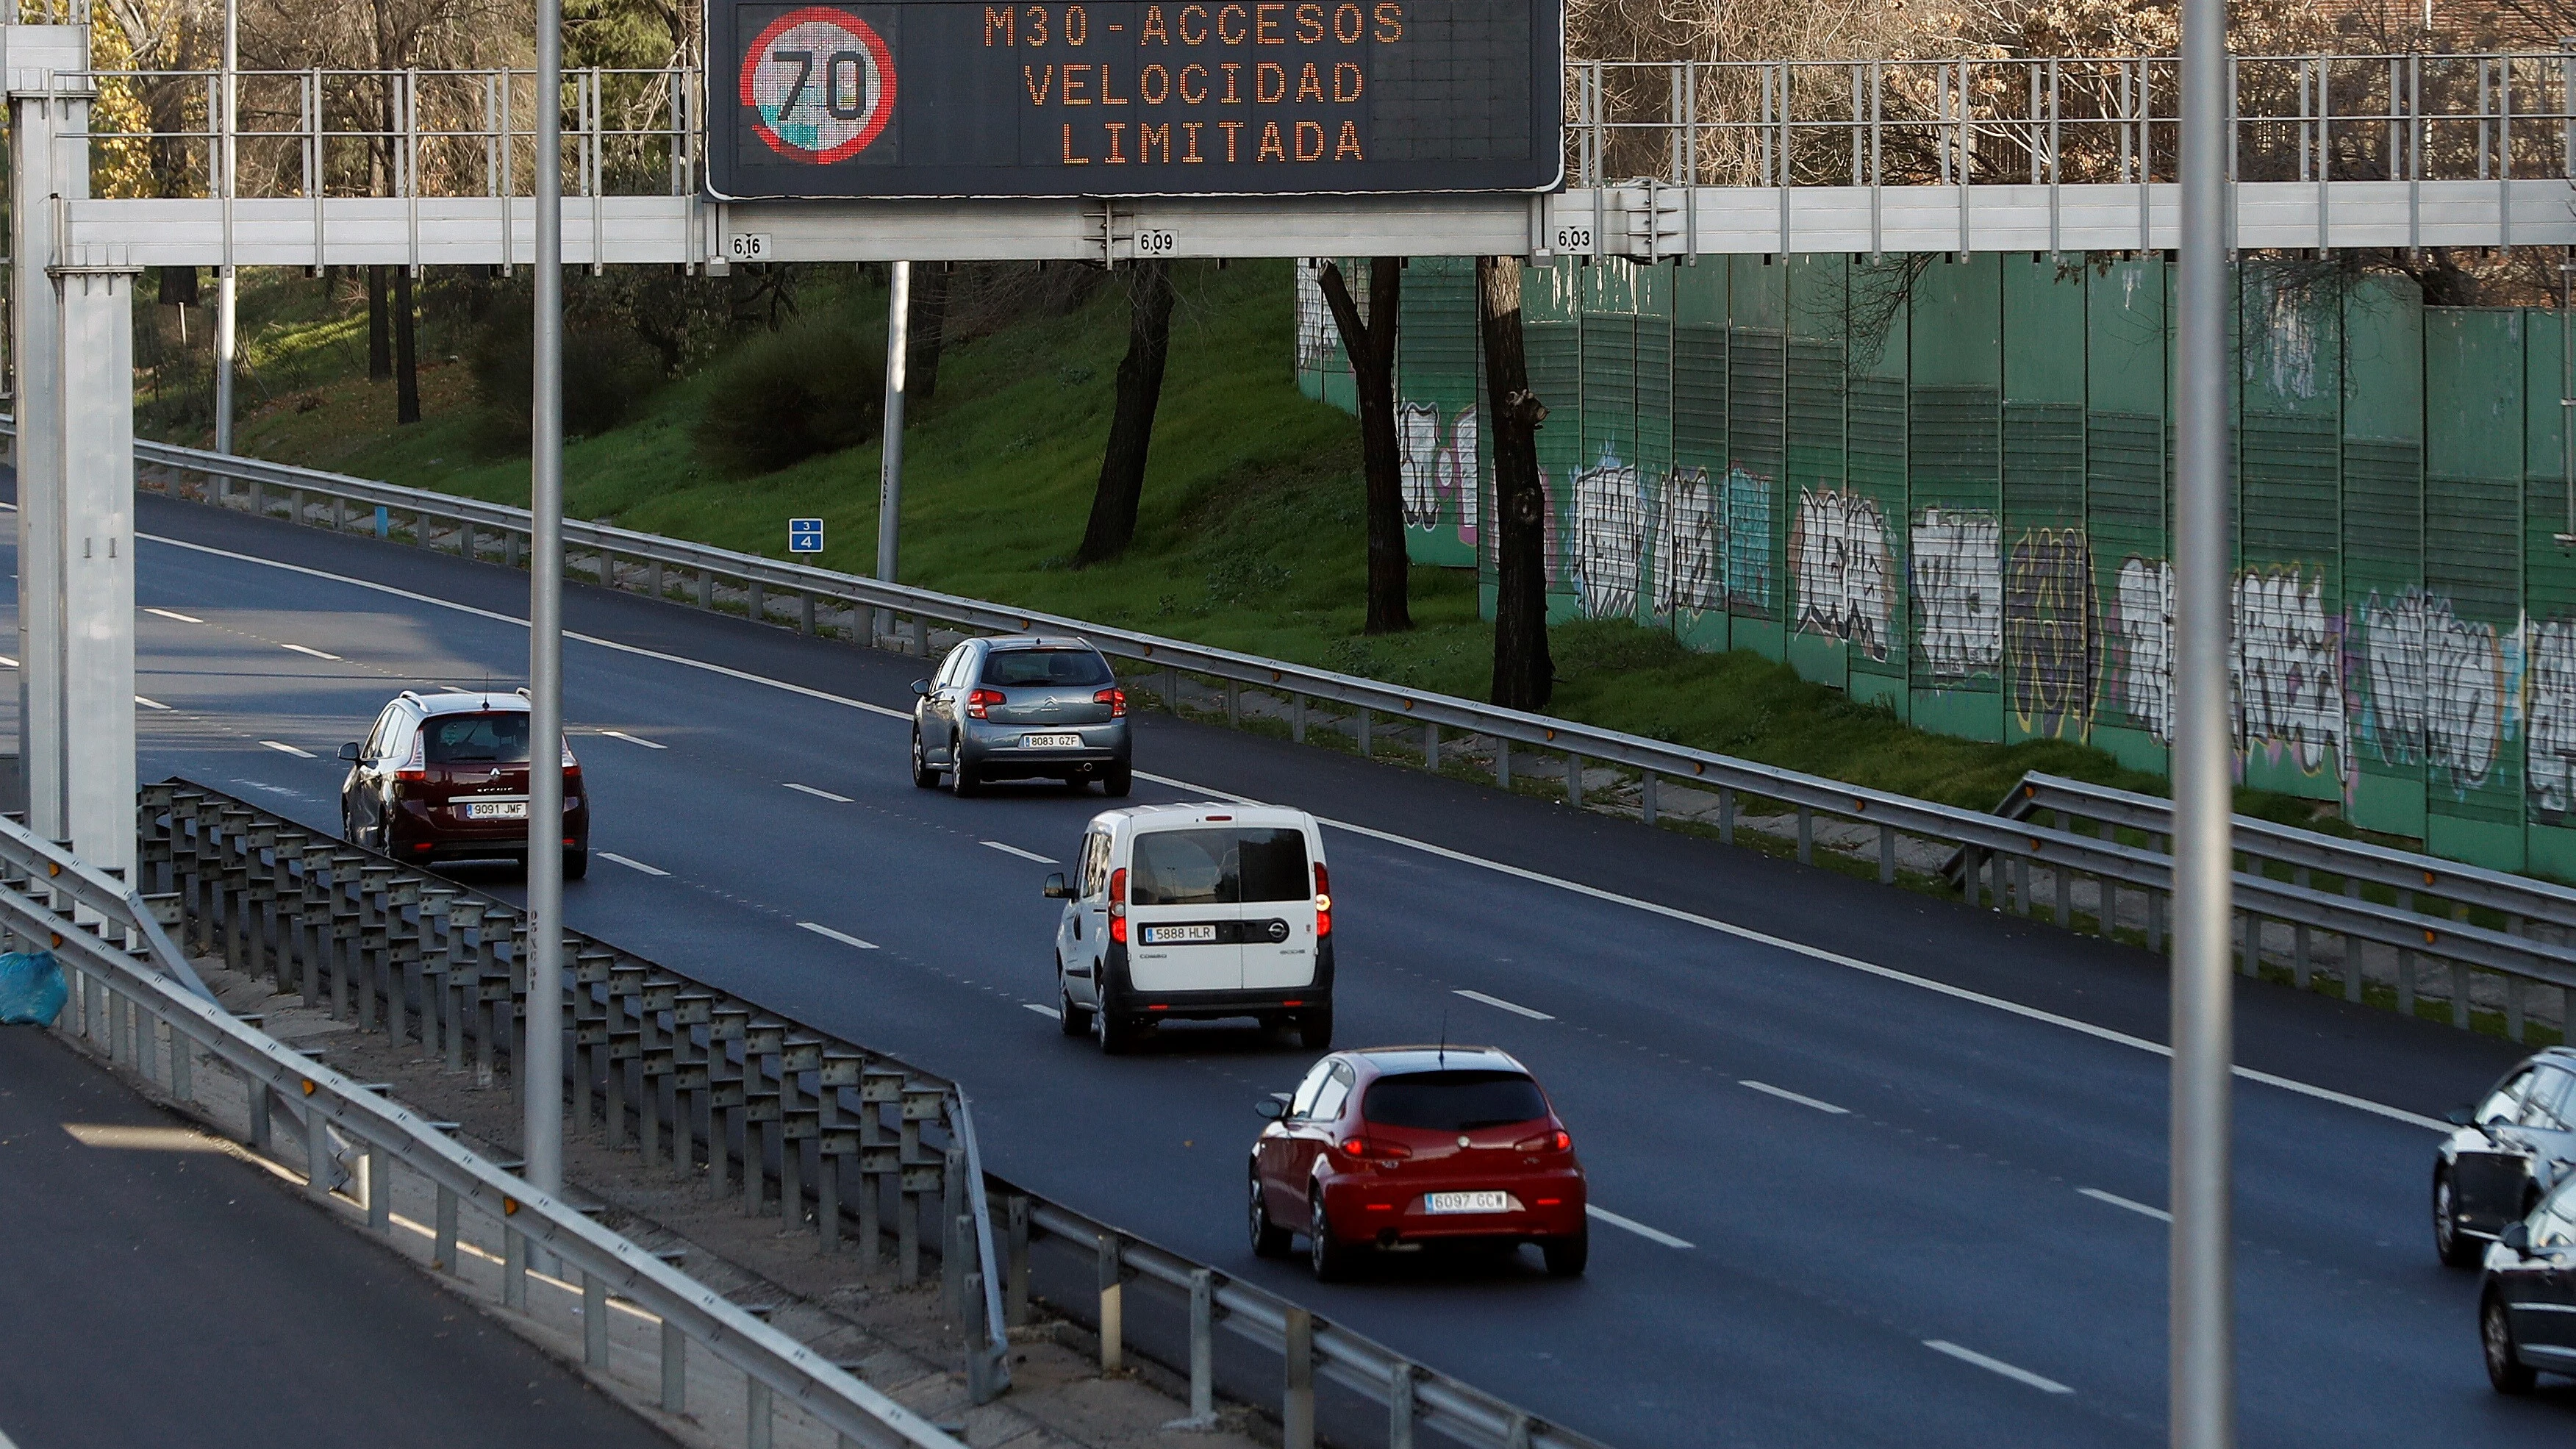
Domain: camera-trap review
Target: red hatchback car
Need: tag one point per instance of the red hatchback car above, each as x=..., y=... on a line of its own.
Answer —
x=1394, y=1147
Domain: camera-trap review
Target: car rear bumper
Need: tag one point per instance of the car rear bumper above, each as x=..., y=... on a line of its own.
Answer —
x=994, y=750
x=1391, y=1211
x=417, y=834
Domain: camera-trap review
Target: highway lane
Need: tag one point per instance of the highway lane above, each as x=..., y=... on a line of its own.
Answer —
x=154, y=1290
x=1945, y=1203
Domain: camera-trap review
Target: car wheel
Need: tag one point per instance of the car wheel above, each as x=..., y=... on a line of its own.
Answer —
x=1071, y=1019
x=1331, y=1258
x=2505, y=1368
x=1315, y=1029
x=1269, y=1240
x=1116, y=1037
x=924, y=776
x=2455, y=1248
x=576, y=863
x=1566, y=1257
x=1118, y=782
x=961, y=780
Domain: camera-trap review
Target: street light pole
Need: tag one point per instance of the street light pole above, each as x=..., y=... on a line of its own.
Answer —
x=890, y=466
x=543, y=1084
x=224, y=274
x=2202, y=1348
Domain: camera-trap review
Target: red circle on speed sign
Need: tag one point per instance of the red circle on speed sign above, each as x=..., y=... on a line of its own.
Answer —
x=820, y=84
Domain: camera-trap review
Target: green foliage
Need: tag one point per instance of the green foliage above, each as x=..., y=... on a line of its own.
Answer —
x=815, y=386
x=606, y=370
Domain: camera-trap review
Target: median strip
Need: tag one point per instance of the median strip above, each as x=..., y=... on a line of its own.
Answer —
x=630, y=864
x=843, y=937
x=1785, y=1095
x=1652, y=1235
x=1996, y=1365
x=1022, y=854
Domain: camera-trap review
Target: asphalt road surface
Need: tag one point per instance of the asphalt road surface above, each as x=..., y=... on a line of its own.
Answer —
x=154, y=1292
x=1885, y=1170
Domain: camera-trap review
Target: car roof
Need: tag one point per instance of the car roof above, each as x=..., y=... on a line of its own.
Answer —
x=1395, y=1060
x=1036, y=641
x=478, y=703
x=1198, y=812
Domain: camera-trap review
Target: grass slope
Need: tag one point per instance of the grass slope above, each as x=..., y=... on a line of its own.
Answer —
x=1250, y=535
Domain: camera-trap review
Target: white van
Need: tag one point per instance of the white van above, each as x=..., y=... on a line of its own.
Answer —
x=1196, y=911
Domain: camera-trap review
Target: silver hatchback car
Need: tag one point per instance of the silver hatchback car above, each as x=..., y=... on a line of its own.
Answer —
x=1020, y=707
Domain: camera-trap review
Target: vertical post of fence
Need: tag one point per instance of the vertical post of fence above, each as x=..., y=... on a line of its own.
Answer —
x=1399, y=1407
x=514, y=1269
x=1015, y=1282
x=260, y=1135
x=1726, y=815
x=594, y=1320
x=755, y=1414
x=380, y=1189
x=317, y=1150
x=1887, y=855
x=1297, y=1406
x=1113, y=1347
x=1502, y=762
x=1364, y=730
x=1806, y=836
x=1646, y=799
x=1202, y=1413
x=1574, y=779
x=442, y=1253
x=675, y=1368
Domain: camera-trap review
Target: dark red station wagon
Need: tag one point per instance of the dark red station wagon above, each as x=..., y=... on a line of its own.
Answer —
x=444, y=777
x=1392, y=1148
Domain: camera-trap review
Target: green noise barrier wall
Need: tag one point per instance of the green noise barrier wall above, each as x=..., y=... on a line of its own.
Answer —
x=1946, y=486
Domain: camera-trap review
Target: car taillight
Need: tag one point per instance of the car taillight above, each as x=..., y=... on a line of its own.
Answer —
x=1116, y=699
x=1559, y=1141
x=1118, y=905
x=1323, y=902
x=414, y=777
x=1366, y=1147
x=977, y=701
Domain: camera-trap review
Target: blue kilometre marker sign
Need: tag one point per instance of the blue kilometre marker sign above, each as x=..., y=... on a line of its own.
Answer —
x=804, y=535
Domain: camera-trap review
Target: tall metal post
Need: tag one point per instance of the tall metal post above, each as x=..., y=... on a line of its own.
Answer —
x=890, y=471
x=224, y=274
x=543, y=1139
x=2202, y=1348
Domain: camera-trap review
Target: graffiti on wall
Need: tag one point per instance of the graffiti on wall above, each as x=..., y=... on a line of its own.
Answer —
x=1957, y=574
x=2048, y=631
x=2549, y=731
x=2288, y=667
x=1439, y=468
x=1610, y=515
x=1318, y=343
x=1688, y=543
x=1687, y=535
x=1748, y=541
x=1839, y=565
x=2137, y=644
x=2442, y=688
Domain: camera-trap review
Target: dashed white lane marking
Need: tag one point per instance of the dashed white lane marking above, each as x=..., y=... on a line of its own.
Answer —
x=843, y=937
x=286, y=749
x=1996, y=1365
x=2117, y=1201
x=1022, y=854
x=632, y=864
x=316, y=653
x=633, y=739
x=1675, y=913
x=1652, y=1235
x=1049, y=1012
x=149, y=703
x=817, y=794
x=175, y=614
x=5, y=659
x=1513, y=1007
x=1785, y=1095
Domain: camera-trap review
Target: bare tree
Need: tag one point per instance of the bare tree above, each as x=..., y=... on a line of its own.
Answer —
x=1370, y=344
x=1131, y=420
x=1524, y=675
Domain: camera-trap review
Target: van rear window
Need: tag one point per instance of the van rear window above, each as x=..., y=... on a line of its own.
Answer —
x=1219, y=867
x=498, y=738
x=1459, y=1101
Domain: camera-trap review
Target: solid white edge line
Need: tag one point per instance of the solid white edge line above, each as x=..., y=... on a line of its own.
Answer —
x=1049, y=1012
x=2132, y=1204
x=634, y=739
x=631, y=864
x=149, y=703
x=175, y=614
x=1510, y=1006
x=1652, y=1235
x=844, y=937
x=316, y=653
x=1785, y=1095
x=1022, y=854
x=817, y=794
x=1747, y=933
x=1996, y=1365
x=285, y=748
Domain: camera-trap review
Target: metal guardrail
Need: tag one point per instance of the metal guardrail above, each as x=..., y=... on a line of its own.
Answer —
x=395, y=948
x=50, y=899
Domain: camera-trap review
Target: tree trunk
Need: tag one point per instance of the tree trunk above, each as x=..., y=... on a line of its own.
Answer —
x=406, y=352
x=1131, y=421
x=922, y=339
x=380, y=342
x=1524, y=676
x=1371, y=347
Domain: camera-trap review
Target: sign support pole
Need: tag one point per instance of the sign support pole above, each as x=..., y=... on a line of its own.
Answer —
x=224, y=283
x=542, y=1140
x=2202, y=1347
x=890, y=471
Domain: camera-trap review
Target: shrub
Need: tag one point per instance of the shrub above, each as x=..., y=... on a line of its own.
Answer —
x=814, y=386
x=605, y=371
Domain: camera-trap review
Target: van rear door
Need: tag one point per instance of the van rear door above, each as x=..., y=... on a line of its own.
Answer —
x=1278, y=884
x=1184, y=911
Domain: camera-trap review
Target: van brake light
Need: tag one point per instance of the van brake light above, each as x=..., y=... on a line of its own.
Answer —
x=1323, y=902
x=1118, y=905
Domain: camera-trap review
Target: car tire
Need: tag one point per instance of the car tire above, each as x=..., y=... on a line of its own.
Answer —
x=1116, y=1037
x=1566, y=1257
x=1120, y=780
x=2505, y=1368
x=1072, y=1020
x=576, y=863
x=1315, y=1029
x=1332, y=1259
x=961, y=780
x=1269, y=1240
x=2455, y=1248
x=924, y=776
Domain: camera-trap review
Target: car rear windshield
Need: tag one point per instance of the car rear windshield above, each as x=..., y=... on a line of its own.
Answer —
x=1029, y=668
x=1459, y=1101
x=1219, y=867
x=499, y=738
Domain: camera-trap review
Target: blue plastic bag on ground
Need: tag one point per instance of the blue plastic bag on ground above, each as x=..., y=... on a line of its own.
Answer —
x=32, y=990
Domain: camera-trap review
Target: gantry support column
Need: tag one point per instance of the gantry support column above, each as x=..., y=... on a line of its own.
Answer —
x=72, y=334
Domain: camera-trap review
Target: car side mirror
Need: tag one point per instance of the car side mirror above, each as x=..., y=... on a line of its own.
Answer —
x=1271, y=1108
x=921, y=686
x=2516, y=1236
x=1056, y=889
x=349, y=752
